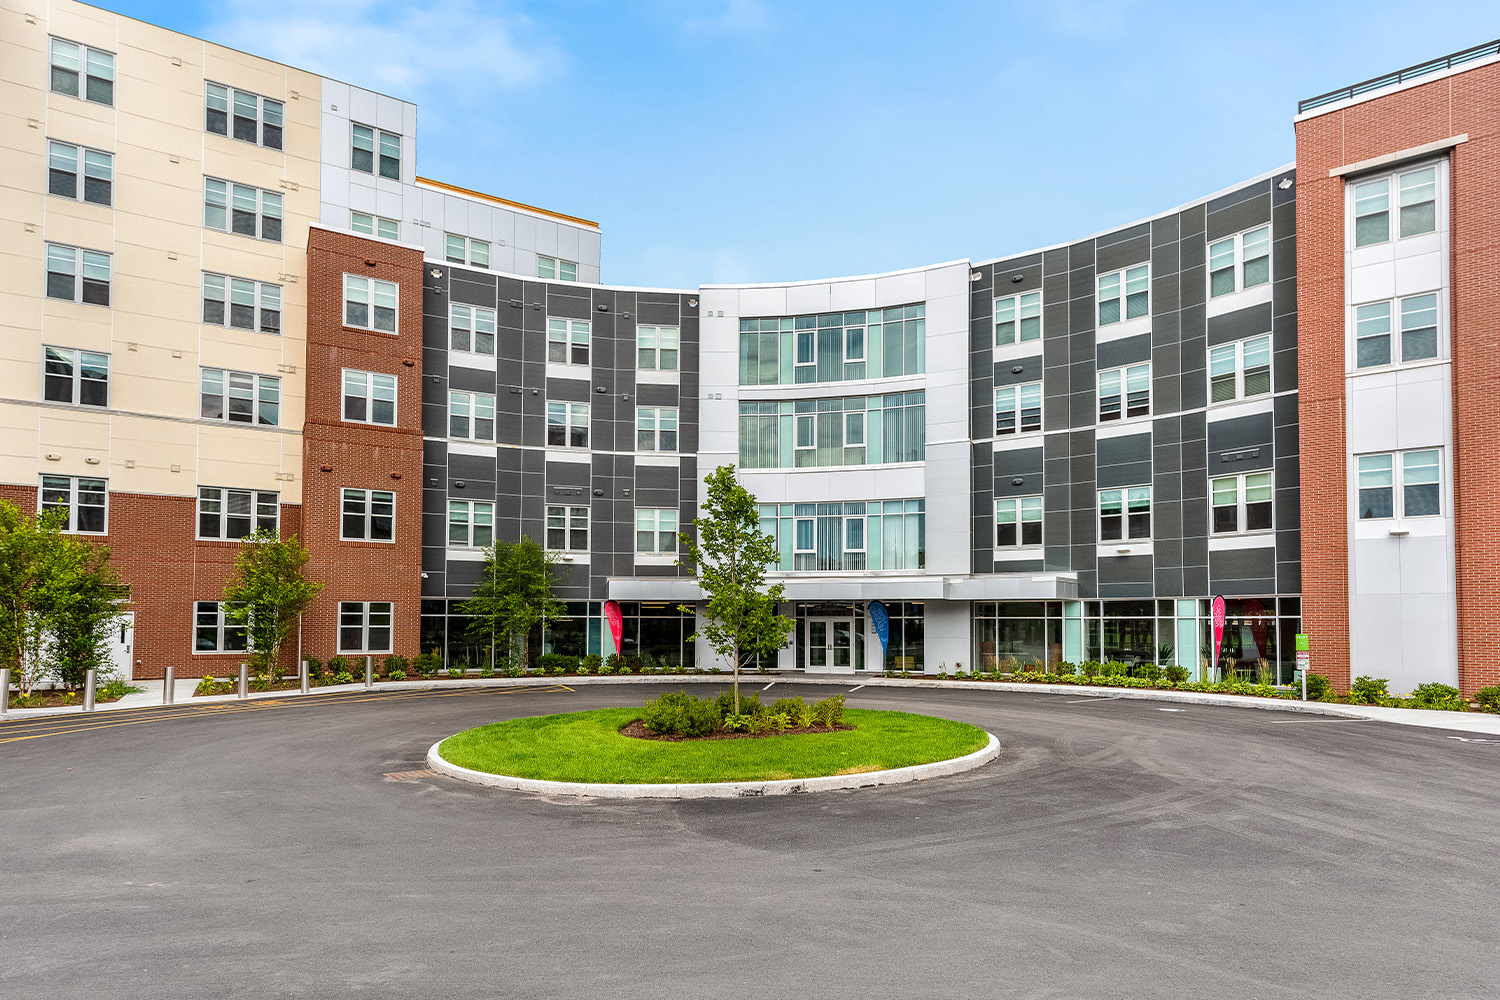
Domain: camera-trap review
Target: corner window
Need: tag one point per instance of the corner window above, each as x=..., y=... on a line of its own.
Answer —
x=553, y=267
x=1018, y=522
x=78, y=275
x=1239, y=262
x=243, y=115
x=369, y=303
x=241, y=303
x=240, y=397
x=1239, y=370
x=1125, y=515
x=365, y=626
x=241, y=209
x=471, y=328
x=213, y=632
x=1018, y=318
x=367, y=516
x=1125, y=392
x=1241, y=503
x=471, y=416
x=1415, y=194
x=86, y=500
x=655, y=532
x=462, y=250
x=72, y=376
x=471, y=524
x=568, y=529
x=227, y=514
x=1414, y=320
x=369, y=398
x=656, y=428
x=1018, y=408
x=568, y=425
x=568, y=341
x=376, y=152
x=80, y=173
x=656, y=348
x=374, y=225
x=80, y=71
x=1125, y=294
x=1413, y=477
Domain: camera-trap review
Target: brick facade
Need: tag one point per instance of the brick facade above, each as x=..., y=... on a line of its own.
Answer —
x=1464, y=103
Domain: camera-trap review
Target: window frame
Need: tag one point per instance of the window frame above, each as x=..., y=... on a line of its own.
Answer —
x=231, y=193
x=1019, y=424
x=367, y=514
x=80, y=173
x=1124, y=392
x=469, y=250
x=569, y=526
x=1399, y=485
x=256, y=500
x=99, y=485
x=76, y=381
x=222, y=629
x=1241, y=373
x=232, y=117
x=1127, y=495
x=651, y=429
x=261, y=386
x=1020, y=507
x=365, y=625
x=1017, y=316
x=379, y=157
x=80, y=261
x=1396, y=330
x=574, y=351
x=1122, y=279
x=263, y=291
x=1240, y=483
x=474, y=328
x=470, y=524
x=1238, y=262
x=1394, y=197
x=376, y=221
x=658, y=348
x=369, y=397
x=373, y=287
x=82, y=71
x=559, y=267
x=648, y=521
x=569, y=423
x=474, y=404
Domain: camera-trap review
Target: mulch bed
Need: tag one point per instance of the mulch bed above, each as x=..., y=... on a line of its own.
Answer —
x=637, y=730
x=54, y=699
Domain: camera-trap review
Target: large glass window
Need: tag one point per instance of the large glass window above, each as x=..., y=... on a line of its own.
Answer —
x=1415, y=477
x=227, y=514
x=370, y=304
x=1125, y=514
x=376, y=152
x=568, y=425
x=243, y=115
x=1239, y=262
x=1125, y=392
x=367, y=516
x=365, y=626
x=834, y=347
x=825, y=433
x=552, y=267
x=85, y=499
x=1241, y=503
x=471, y=415
x=1416, y=197
x=463, y=250
x=656, y=428
x=72, y=376
x=858, y=535
x=471, y=524
x=1018, y=522
x=239, y=397
x=656, y=348
x=471, y=328
x=1018, y=318
x=213, y=632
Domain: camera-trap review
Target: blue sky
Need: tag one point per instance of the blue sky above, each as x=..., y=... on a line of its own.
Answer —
x=768, y=140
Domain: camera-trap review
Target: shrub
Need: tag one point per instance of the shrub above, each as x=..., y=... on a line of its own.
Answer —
x=343, y=677
x=394, y=663
x=557, y=663
x=632, y=664
x=1317, y=687
x=1488, y=698
x=1064, y=669
x=1368, y=690
x=678, y=713
x=260, y=682
x=1114, y=668
x=114, y=689
x=206, y=686
x=829, y=711
x=1148, y=671
x=457, y=670
x=593, y=661
x=612, y=664
x=1175, y=674
x=337, y=665
x=785, y=706
x=1090, y=668
x=427, y=664
x=513, y=670
x=736, y=723
x=314, y=668
x=397, y=675
x=1439, y=696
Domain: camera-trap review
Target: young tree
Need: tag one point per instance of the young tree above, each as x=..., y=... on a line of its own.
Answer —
x=91, y=608
x=731, y=555
x=514, y=595
x=267, y=594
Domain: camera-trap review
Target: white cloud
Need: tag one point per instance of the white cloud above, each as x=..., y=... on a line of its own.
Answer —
x=424, y=48
x=736, y=17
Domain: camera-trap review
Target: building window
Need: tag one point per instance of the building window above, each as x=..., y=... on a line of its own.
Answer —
x=369, y=303
x=1414, y=476
x=834, y=347
x=1416, y=198
x=1240, y=370
x=1018, y=522
x=1125, y=294
x=364, y=626
x=86, y=501
x=374, y=225
x=1125, y=392
x=236, y=513
x=240, y=397
x=471, y=524
x=825, y=433
x=568, y=528
x=462, y=250
x=1125, y=514
x=241, y=209
x=65, y=162
x=656, y=348
x=471, y=416
x=255, y=119
x=656, y=428
x=1239, y=262
x=94, y=69
x=1018, y=318
x=1417, y=316
x=471, y=328
x=71, y=376
x=367, y=516
x=1018, y=408
x=655, y=531
x=568, y=341
x=376, y=152
x=212, y=633
x=78, y=275
x=568, y=425
x=241, y=303
x=369, y=398
x=552, y=267
x=889, y=534
x=1242, y=503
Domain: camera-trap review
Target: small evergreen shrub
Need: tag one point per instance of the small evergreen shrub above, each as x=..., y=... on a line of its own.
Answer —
x=397, y=675
x=343, y=677
x=677, y=713
x=1148, y=671
x=829, y=711
x=314, y=668
x=1438, y=696
x=1488, y=698
x=557, y=663
x=1368, y=690
x=1114, y=668
x=394, y=663
x=1175, y=674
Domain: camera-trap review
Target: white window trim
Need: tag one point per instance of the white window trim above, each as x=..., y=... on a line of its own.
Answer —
x=1237, y=262
x=260, y=210
x=76, y=394
x=471, y=507
x=376, y=135
x=1019, y=298
x=368, y=499
x=72, y=526
x=228, y=300
x=469, y=244
x=570, y=331
x=1439, y=166
x=83, y=73
x=1122, y=273
x=568, y=425
x=260, y=116
x=223, y=514
x=221, y=626
x=658, y=333
x=1399, y=517
x=1397, y=334
x=364, y=627
x=1124, y=416
x=655, y=530
x=657, y=429
x=1239, y=370
x=1240, y=503
x=372, y=285
x=255, y=394
x=570, y=518
x=1018, y=544
x=369, y=397
x=375, y=221
x=473, y=328
x=77, y=275
x=1124, y=540
x=1019, y=430
x=473, y=416
x=557, y=268
x=80, y=174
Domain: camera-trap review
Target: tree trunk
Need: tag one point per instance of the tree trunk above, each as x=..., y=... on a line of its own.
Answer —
x=736, y=678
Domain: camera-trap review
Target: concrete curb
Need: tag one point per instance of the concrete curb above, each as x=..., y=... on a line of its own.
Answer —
x=719, y=789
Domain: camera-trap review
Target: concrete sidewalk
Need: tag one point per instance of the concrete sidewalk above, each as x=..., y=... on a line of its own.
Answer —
x=1481, y=724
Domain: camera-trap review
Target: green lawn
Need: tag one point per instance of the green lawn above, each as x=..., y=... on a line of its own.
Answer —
x=587, y=746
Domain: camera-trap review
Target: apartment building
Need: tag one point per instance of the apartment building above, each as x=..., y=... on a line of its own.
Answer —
x=232, y=302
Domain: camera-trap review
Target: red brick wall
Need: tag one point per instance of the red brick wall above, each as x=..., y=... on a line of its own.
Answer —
x=361, y=455
x=1469, y=103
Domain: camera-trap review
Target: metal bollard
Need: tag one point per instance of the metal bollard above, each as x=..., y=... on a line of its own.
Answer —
x=4, y=692
x=369, y=672
x=88, y=690
x=306, y=677
x=244, y=680
x=169, y=686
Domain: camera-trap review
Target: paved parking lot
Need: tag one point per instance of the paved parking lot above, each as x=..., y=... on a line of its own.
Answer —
x=298, y=848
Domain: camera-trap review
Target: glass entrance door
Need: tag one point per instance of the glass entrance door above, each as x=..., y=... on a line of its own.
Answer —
x=830, y=643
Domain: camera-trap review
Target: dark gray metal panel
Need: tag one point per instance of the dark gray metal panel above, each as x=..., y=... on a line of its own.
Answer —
x=1019, y=565
x=1124, y=450
x=568, y=474
x=655, y=394
x=1242, y=194
x=1241, y=323
x=1243, y=571
x=471, y=290
x=1136, y=250
x=471, y=467
x=1031, y=371
x=569, y=390
x=1129, y=351
x=1030, y=271
x=656, y=477
x=562, y=305
x=470, y=379
x=1242, y=444
x=1126, y=576
x=1246, y=214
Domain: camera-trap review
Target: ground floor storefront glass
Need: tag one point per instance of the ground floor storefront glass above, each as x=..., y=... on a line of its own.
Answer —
x=654, y=630
x=657, y=632
x=830, y=636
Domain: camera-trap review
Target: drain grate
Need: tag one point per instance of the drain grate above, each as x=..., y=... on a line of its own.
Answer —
x=417, y=775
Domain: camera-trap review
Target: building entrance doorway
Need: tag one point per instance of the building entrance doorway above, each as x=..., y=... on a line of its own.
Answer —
x=830, y=644
x=121, y=644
